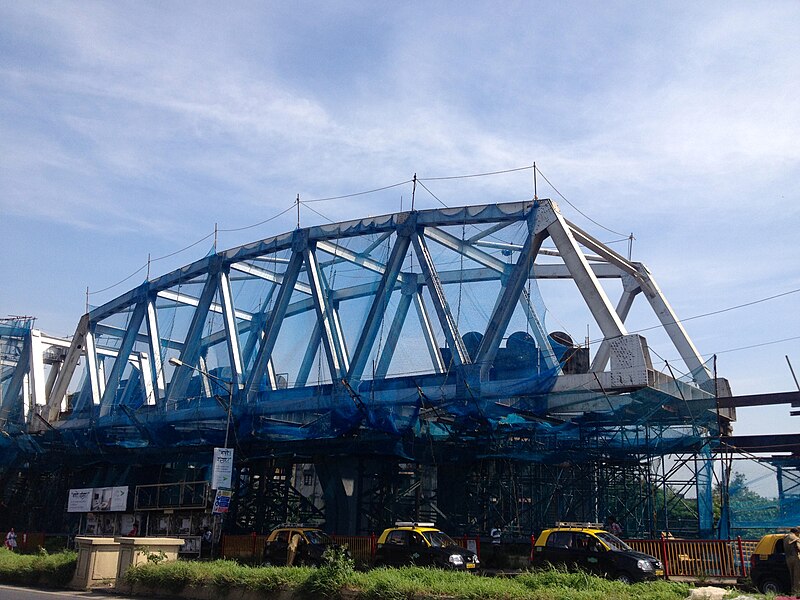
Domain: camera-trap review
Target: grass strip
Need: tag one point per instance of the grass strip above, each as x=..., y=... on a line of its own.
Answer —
x=42, y=569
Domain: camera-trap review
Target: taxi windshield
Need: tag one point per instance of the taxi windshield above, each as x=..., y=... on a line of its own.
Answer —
x=317, y=537
x=613, y=541
x=438, y=539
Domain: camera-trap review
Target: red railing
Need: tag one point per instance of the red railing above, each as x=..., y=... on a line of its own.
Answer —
x=682, y=558
x=700, y=558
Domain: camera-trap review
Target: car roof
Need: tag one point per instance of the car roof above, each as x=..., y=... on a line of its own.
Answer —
x=573, y=528
x=767, y=543
x=411, y=528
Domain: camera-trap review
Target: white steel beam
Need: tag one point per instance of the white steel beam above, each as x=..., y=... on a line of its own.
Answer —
x=377, y=310
x=394, y=336
x=434, y=285
x=67, y=370
x=674, y=328
x=232, y=331
x=331, y=335
x=109, y=399
x=273, y=324
x=428, y=334
x=337, y=251
x=156, y=373
x=92, y=368
x=36, y=368
x=629, y=291
x=268, y=275
x=549, y=218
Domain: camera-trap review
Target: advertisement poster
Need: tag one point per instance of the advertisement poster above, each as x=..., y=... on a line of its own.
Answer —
x=107, y=499
x=222, y=502
x=80, y=500
x=222, y=473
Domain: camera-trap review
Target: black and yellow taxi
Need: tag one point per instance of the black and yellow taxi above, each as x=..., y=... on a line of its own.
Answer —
x=589, y=547
x=768, y=569
x=411, y=543
x=312, y=544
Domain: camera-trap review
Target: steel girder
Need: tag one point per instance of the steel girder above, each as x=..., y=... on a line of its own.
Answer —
x=400, y=259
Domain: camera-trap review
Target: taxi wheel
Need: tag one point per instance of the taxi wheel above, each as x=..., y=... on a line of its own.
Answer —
x=770, y=586
x=623, y=577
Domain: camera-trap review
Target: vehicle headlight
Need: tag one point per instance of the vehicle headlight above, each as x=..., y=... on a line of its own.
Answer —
x=645, y=565
x=456, y=559
x=475, y=559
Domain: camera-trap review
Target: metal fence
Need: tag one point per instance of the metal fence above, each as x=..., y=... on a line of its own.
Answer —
x=700, y=558
x=697, y=559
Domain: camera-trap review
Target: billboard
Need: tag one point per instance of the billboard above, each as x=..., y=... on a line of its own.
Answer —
x=80, y=500
x=105, y=499
x=222, y=473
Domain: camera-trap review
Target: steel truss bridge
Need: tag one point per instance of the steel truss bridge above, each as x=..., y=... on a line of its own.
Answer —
x=347, y=407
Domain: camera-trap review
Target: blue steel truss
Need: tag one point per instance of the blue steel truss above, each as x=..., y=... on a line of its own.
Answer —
x=308, y=337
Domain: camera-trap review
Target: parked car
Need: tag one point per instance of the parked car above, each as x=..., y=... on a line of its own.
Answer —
x=422, y=544
x=588, y=547
x=313, y=542
x=768, y=570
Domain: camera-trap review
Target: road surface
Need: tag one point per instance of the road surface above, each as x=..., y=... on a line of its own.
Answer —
x=8, y=592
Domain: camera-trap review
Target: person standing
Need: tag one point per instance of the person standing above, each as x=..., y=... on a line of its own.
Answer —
x=11, y=540
x=291, y=549
x=791, y=547
x=496, y=534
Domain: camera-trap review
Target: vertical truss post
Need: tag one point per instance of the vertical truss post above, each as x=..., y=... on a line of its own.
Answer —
x=511, y=292
x=231, y=330
x=37, y=368
x=436, y=291
x=549, y=217
x=332, y=339
x=67, y=370
x=190, y=353
x=92, y=367
x=156, y=374
x=630, y=289
x=147, y=382
x=275, y=319
x=377, y=310
x=109, y=399
x=308, y=358
x=674, y=328
x=427, y=332
x=408, y=293
x=16, y=396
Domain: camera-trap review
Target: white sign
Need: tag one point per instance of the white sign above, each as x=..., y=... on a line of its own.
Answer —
x=105, y=499
x=222, y=472
x=80, y=500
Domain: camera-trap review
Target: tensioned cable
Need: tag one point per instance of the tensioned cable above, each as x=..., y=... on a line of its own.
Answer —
x=192, y=245
x=708, y=314
x=475, y=174
x=538, y=170
x=431, y=193
x=302, y=203
x=380, y=189
x=770, y=343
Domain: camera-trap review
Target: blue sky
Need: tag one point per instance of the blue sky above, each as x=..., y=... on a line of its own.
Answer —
x=131, y=128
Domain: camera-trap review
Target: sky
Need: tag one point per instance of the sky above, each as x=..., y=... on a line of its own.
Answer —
x=129, y=129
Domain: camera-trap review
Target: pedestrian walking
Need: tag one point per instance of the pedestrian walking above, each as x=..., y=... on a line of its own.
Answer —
x=791, y=547
x=11, y=540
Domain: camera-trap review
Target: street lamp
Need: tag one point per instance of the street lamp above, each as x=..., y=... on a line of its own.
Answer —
x=228, y=385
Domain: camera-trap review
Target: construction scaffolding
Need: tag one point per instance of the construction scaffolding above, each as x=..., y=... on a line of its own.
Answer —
x=346, y=408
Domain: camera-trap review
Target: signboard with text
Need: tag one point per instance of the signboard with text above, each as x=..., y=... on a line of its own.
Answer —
x=222, y=502
x=105, y=499
x=222, y=471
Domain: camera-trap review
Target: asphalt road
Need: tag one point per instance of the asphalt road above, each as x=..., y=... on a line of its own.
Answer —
x=8, y=592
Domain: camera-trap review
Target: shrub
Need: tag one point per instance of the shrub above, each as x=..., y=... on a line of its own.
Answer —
x=48, y=570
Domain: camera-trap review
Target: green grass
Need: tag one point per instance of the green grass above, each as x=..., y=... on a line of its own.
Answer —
x=397, y=584
x=43, y=569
